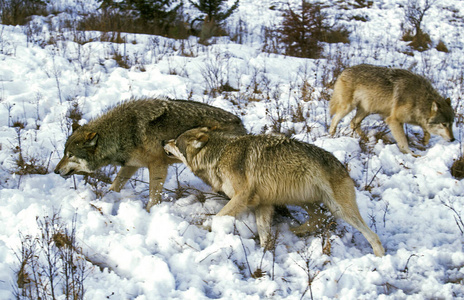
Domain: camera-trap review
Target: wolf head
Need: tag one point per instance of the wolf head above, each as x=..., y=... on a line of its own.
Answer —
x=78, y=149
x=441, y=119
x=188, y=144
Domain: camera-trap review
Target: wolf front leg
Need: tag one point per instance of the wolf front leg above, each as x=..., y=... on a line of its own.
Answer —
x=426, y=138
x=236, y=205
x=397, y=130
x=157, y=175
x=124, y=174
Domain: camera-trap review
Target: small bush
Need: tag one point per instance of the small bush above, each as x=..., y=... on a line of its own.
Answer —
x=415, y=12
x=338, y=35
x=408, y=35
x=74, y=115
x=132, y=16
x=363, y=4
x=303, y=29
x=457, y=169
x=31, y=165
x=17, y=12
x=441, y=46
x=421, y=42
x=26, y=165
x=213, y=16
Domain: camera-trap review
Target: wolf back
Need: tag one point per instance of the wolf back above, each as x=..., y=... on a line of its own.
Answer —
x=131, y=134
x=398, y=95
x=263, y=171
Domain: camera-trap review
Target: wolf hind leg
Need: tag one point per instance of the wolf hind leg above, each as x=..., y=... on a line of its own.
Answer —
x=340, y=110
x=124, y=174
x=361, y=113
x=343, y=204
x=157, y=175
x=263, y=214
x=341, y=103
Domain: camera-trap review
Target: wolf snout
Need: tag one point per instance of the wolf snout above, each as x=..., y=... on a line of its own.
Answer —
x=63, y=174
x=168, y=148
x=58, y=171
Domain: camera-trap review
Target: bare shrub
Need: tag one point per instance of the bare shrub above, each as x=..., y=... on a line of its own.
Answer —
x=215, y=72
x=306, y=263
x=50, y=264
x=415, y=12
x=457, y=213
x=26, y=165
x=121, y=58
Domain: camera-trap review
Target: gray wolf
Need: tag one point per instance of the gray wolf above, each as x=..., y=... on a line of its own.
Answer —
x=398, y=95
x=130, y=135
x=261, y=171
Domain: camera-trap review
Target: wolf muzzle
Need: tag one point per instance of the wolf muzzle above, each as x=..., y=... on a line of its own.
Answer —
x=168, y=153
x=69, y=173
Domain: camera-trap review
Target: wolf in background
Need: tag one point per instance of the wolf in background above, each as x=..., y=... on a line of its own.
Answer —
x=130, y=135
x=398, y=95
x=266, y=170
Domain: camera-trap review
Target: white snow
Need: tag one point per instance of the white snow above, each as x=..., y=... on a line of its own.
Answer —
x=169, y=253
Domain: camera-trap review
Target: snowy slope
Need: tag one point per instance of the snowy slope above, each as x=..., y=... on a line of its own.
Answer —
x=413, y=204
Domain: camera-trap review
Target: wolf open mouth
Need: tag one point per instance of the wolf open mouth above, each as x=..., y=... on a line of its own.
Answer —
x=70, y=172
x=168, y=153
x=74, y=172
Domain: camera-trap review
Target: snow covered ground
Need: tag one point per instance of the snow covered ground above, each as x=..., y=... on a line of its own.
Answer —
x=413, y=204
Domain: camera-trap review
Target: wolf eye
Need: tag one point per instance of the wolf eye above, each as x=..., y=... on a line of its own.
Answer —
x=70, y=155
x=444, y=124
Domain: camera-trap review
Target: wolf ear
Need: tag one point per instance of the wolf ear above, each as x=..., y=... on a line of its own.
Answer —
x=91, y=139
x=200, y=141
x=448, y=100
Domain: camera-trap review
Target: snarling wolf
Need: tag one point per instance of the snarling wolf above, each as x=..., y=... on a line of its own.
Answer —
x=261, y=171
x=130, y=135
x=398, y=95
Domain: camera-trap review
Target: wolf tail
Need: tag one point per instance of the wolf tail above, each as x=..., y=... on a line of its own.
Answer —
x=342, y=96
